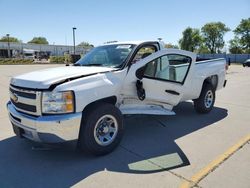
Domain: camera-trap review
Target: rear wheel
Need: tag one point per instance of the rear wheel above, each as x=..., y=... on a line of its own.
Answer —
x=205, y=102
x=101, y=129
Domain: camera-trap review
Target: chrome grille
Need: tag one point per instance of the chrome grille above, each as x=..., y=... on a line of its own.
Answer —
x=26, y=101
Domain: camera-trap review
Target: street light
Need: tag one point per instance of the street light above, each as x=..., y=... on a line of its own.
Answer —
x=8, y=37
x=74, y=28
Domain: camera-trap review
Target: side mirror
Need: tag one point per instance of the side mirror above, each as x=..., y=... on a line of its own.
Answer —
x=140, y=72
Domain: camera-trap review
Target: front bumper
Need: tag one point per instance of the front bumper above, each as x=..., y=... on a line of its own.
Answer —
x=45, y=129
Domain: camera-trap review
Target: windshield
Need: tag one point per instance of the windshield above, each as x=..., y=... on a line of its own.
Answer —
x=107, y=56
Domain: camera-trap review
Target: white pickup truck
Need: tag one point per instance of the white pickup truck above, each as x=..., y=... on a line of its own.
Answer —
x=86, y=101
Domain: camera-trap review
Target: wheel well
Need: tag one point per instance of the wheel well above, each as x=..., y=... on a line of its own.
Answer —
x=110, y=100
x=213, y=80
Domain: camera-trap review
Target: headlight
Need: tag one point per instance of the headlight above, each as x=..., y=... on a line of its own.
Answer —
x=57, y=102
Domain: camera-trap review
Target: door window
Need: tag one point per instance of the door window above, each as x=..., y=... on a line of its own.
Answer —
x=171, y=67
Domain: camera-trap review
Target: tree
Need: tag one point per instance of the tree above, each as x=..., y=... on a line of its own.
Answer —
x=39, y=40
x=10, y=39
x=203, y=49
x=242, y=31
x=85, y=45
x=235, y=46
x=169, y=45
x=213, y=34
x=191, y=39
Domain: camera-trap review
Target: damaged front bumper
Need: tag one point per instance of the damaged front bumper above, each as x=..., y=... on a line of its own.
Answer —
x=45, y=129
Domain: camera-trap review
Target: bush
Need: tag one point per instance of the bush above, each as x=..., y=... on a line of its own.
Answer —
x=68, y=58
x=57, y=59
x=14, y=61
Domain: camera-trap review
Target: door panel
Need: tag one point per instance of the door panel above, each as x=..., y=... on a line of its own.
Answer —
x=157, y=90
x=164, y=77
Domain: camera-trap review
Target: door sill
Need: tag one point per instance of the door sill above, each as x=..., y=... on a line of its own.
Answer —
x=145, y=109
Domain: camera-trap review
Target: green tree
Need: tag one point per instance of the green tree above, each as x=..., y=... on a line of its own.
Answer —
x=10, y=39
x=235, y=47
x=213, y=34
x=39, y=40
x=191, y=39
x=169, y=45
x=242, y=31
x=203, y=49
x=85, y=45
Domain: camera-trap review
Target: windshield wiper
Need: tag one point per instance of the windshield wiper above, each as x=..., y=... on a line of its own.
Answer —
x=93, y=64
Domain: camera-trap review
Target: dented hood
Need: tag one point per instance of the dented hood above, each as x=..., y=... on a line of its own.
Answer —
x=43, y=79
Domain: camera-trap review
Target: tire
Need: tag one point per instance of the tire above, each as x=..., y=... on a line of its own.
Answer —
x=101, y=129
x=205, y=102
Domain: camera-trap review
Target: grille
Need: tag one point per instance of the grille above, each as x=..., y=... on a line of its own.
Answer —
x=23, y=94
x=23, y=106
x=26, y=101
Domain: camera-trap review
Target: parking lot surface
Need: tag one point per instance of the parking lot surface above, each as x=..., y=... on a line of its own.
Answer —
x=186, y=150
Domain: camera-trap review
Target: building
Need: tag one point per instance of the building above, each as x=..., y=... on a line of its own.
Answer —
x=20, y=49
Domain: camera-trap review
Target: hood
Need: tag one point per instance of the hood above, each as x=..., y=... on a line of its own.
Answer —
x=43, y=79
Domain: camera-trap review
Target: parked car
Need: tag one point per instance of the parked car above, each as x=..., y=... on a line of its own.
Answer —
x=246, y=63
x=86, y=101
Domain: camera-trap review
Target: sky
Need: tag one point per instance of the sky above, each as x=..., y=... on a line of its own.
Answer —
x=98, y=21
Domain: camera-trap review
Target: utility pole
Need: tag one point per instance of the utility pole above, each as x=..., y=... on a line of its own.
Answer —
x=74, y=28
x=8, y=37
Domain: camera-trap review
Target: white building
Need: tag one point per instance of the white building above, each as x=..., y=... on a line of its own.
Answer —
x=17, y=49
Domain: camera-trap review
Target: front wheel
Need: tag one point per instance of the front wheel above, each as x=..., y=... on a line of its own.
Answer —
x=205, y=102
x=101, y=129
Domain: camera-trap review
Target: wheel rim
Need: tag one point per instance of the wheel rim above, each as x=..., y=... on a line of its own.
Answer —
x=106, y=129
x=209, y=99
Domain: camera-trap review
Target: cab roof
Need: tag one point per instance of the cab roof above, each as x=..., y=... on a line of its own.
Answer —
x=129, y=42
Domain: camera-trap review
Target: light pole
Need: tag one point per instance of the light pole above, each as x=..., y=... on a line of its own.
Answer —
x=8, y=37
x=74, y=28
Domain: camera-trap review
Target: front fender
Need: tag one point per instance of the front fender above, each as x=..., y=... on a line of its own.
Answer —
x=93, y=88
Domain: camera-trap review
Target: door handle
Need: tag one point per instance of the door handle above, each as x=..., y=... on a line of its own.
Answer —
x=172, y=92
